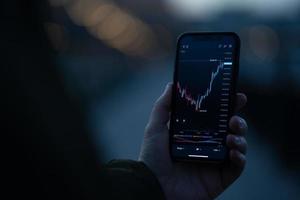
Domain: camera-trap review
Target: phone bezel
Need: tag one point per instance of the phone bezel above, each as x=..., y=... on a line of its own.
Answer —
x=232, y=98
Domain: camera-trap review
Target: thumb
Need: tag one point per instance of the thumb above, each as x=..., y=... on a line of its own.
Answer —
x=160, y=113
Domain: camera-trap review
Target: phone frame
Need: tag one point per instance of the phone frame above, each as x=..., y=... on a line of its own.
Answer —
x=232, y=95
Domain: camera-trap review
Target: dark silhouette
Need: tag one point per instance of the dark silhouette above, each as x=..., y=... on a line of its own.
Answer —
x=49, y=153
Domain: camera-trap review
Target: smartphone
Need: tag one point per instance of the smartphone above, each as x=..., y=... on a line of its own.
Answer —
x=203, y=97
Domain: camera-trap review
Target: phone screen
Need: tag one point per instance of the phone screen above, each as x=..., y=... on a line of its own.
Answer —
x=203, y=95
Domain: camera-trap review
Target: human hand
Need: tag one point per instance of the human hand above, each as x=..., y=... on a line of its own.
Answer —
x=191, y=180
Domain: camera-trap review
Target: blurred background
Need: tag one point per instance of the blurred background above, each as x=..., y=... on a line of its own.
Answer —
x=115, y=58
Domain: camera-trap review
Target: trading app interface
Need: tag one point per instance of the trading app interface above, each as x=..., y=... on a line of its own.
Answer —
x=203, y=83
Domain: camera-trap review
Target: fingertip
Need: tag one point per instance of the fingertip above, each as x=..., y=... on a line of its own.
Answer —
x=242, y=97
x=165, y=97
x=161, y=108
x=169, y=86
x=168, y=91
x=238, y=125
x=238, y=143
x=238, y=158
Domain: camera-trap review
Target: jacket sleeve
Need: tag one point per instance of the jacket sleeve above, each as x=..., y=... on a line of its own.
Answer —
x=129, y=179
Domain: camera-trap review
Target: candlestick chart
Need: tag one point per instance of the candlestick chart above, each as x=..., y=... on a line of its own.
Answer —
x=196, y=100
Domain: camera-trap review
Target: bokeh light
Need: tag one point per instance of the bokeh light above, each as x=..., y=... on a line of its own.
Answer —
x=112, y=25
x=264, y=42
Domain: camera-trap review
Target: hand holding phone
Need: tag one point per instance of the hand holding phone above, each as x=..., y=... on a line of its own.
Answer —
x=191, y=180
